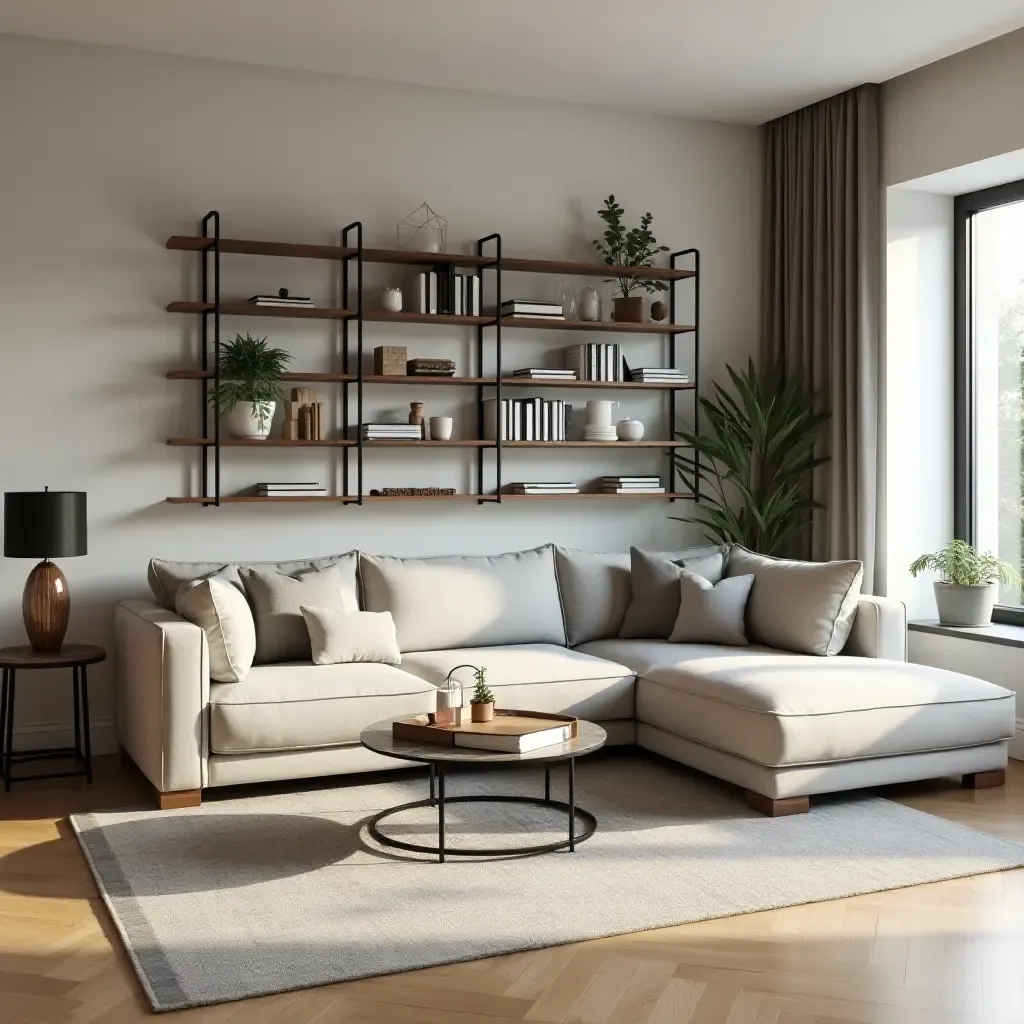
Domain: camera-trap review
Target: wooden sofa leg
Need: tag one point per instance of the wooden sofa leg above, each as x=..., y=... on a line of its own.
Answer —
x=985, y=780
x=179, y=798
x=776, y=808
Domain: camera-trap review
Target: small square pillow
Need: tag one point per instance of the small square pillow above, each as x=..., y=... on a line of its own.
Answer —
x=218, y=607
x=654, y=587
x=281, y=633
x=338, y=637
x=712, y=613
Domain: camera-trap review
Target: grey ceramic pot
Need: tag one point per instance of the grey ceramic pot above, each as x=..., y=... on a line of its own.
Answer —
x=965, y=606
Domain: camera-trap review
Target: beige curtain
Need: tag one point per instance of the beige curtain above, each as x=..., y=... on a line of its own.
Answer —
x=822, y=282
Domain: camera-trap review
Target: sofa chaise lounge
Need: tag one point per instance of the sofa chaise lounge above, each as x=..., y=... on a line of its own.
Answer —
x=550, y=626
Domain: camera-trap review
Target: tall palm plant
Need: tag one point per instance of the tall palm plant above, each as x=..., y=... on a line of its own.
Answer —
x=754, y=459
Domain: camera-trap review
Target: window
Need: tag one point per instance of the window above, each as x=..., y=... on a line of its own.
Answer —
x=989, y=313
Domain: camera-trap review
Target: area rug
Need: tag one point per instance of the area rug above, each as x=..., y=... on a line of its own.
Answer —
x=243, y=897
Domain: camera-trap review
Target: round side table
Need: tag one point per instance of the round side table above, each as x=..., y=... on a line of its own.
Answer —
x=73, y=656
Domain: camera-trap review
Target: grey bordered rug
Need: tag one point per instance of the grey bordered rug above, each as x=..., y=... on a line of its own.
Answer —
x=244, y=897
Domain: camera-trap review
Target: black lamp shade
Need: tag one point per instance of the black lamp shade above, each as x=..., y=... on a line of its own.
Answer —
x=44, y=524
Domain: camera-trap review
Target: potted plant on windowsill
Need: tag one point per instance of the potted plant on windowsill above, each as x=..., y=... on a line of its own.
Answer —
x=481, y=704
x=250, y=386
x=636, y=247
x=970, y=582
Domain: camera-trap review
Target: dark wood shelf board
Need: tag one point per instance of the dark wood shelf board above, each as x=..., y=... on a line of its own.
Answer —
x=430, y=497
x=249, y=309
x=610, y=445
x=255, y=499
x=403, y=257
x=451, y=381
x=428, y=444
x=270, y=442
x=618, y=385
x=594, y=495
x=311, y=376
x=546, y=324
x=385, y=316
x=592, y=269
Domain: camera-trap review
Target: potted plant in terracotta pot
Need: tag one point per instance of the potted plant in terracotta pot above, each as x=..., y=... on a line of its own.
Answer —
x=970, y=582
x=636, y=247
x=250, y=386
x=481, y=704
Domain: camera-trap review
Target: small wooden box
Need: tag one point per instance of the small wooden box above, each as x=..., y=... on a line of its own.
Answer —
x=390, y=360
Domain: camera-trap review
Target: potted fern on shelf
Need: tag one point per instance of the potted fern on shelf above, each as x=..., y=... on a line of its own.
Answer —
x=250, y=386
x=481, y=704
x=967, y=591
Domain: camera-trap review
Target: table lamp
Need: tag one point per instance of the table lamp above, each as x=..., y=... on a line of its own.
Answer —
x=45, y=524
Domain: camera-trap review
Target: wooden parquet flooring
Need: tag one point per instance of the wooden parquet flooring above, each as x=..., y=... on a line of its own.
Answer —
x=945, y=953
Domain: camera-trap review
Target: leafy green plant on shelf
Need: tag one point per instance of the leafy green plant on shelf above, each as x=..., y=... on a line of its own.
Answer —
x=754, y=459
x=635, y=247
x=251, y=374
x=962, y=565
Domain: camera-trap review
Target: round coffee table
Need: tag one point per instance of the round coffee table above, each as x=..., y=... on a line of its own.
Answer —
x=379, y=739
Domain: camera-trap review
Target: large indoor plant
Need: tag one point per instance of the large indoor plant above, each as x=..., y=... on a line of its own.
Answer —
x=752, y=461
x=967, y=591
x=250, y=385
x=633, y=248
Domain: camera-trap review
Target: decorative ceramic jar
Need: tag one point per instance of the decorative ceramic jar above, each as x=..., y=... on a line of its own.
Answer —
x=244, y=420
x=600, y=412
x=658, y=311
x=628, y=309
x=440, y=428
x=629, y=430
x=391, y=300
x=589, y=307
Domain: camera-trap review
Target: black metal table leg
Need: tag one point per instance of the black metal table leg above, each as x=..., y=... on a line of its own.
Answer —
x=9, y=732
x=433, y=784
x=572, y=804
x=85, y=723
x=547, y=781
x=76, y=694
x=3, y=724
x=440, y=813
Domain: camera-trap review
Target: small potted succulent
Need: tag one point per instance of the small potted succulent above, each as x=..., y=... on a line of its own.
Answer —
x=636, y=247
x=250, y=386
x=481, y=704
x=970, y=582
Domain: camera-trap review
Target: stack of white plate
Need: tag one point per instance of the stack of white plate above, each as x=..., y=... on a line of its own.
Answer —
x=593, y=433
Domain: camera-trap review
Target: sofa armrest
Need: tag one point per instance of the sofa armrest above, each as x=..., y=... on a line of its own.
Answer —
x=163, y=689
x=879, y=630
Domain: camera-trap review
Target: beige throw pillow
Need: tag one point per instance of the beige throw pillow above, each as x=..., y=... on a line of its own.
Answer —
x=712, y=613
x=219, y=609
x=277, y=600
x=803, y=607
x=338, y=637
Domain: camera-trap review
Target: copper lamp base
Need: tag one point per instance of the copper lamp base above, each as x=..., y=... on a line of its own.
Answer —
x=46, y=607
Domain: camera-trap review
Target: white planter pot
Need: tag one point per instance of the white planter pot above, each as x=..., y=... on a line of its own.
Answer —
x=244, y=423
x=965, y=606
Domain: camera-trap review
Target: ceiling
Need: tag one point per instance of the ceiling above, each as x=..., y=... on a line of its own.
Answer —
x=728, y=60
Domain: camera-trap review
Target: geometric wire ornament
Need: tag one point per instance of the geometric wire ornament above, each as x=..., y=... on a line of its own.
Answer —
x=422, y=231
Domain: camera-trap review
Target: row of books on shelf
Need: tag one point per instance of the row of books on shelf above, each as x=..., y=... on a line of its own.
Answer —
x=527, y=419
x=608, y=485
x=442, y=291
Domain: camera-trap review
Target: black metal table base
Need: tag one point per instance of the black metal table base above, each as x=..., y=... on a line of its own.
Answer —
x=439, y=799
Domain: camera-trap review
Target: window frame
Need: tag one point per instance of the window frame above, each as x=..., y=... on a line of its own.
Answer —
x=965, y=478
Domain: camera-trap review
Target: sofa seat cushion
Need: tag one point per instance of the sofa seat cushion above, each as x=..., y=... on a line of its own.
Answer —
x=537, y=677
x=301, y=706
x=780, y=709
x=644, y=656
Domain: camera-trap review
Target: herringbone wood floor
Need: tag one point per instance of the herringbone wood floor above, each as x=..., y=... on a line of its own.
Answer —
x=951, y=952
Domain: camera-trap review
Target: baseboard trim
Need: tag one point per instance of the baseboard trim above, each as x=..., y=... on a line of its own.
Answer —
x=1017, y=743
x=62, y=734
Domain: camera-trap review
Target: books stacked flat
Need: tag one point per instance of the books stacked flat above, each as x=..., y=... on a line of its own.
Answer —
x=530, y=310
x=631, y=485
x=426, y=367
x=282, y=299
x=544, y=487
x=442, y=291
x=659, y=375
x=527, y=419
x=392, y=432
x=594, y=361
x=544, y=373
x=294, y=489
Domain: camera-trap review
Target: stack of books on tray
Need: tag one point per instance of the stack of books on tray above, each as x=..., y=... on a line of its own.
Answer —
x=527, y=419
x=659, y=375
x=427, y=367
x=295, y=489
x=282, y=299
x=544, y=373
x=631, y=485
x=511, y=732
x=392, y=432
x=441, y=291
x=531, y=310
x=594, y=361
x=544, y=487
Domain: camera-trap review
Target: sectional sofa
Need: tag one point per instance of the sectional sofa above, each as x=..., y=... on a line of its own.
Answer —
x=558, y=631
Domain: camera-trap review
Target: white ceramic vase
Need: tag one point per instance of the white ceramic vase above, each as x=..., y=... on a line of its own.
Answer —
x=629, y=430
x=600, y=412
x=391, y=300
x=244, y=420
x=440, y=428
x=589, y=307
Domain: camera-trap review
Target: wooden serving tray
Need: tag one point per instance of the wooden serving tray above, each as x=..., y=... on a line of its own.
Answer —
x=506, y=722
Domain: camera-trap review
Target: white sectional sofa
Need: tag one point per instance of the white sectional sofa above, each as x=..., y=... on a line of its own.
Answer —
x=546, y=623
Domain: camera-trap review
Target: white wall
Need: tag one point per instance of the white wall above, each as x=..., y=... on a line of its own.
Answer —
x=107, y=152
x=956, y=111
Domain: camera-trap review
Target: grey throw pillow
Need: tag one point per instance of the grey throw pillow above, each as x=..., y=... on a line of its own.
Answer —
x=804, y=607
x=277, y=600
x=654, y=588
x=712, y=613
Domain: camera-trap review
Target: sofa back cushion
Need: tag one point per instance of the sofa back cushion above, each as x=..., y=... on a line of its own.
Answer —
x=595, y=592
x=804, y=607
x=166, y=577
x=466, y=600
